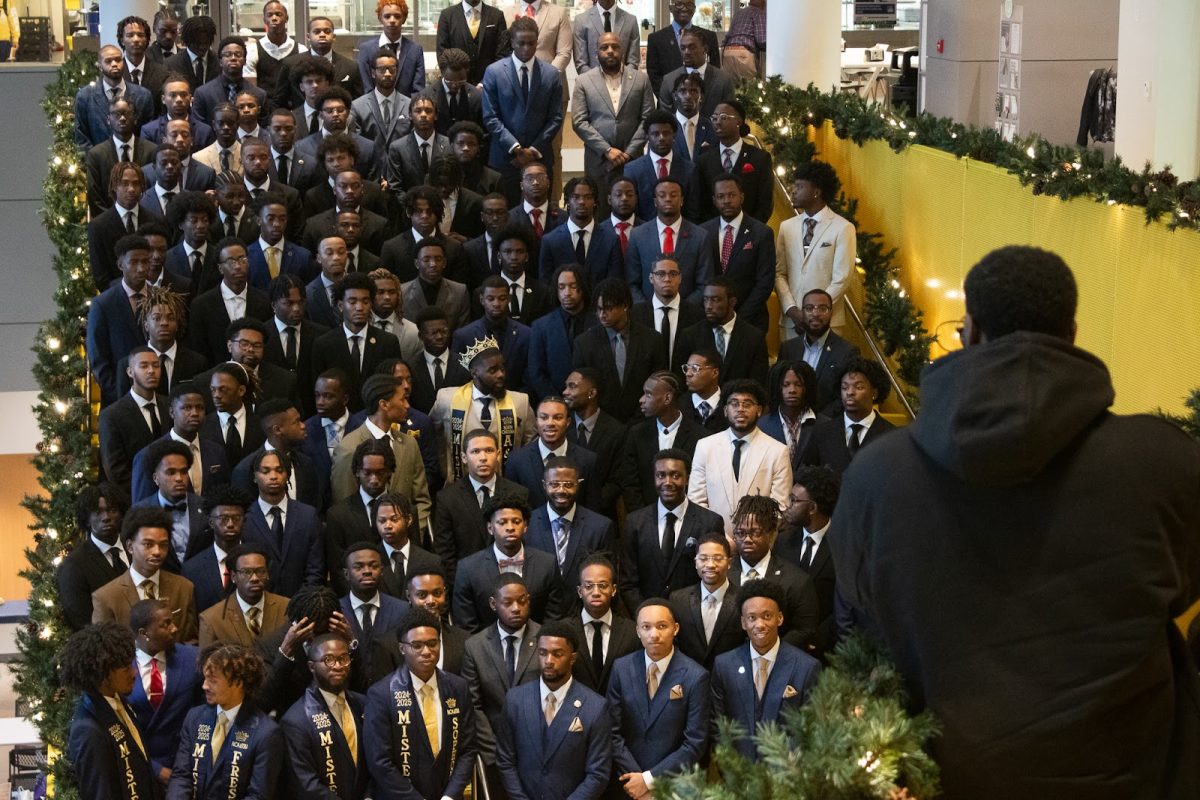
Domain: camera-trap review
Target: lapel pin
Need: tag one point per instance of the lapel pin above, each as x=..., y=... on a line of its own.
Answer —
x=741, y=670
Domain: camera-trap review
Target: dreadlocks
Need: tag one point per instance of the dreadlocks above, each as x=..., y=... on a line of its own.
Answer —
x=760, y=507
x=315, y=602
x=163, y=296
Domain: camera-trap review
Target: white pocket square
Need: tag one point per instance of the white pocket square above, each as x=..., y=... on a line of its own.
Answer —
x=576, y=726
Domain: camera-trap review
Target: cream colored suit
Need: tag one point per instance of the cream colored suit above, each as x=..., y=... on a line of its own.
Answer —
x=828, y=264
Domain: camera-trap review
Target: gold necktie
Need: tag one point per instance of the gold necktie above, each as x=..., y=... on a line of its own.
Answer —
x=429, y=714
x=252, y=620
x=346, y=720
x=218, y=737
x=760, y=676
x=273, y=261
x=752, y=574
x=551, y=708
x=123, y=715
x=652, y=680
x=149, y=592
x=473, y=22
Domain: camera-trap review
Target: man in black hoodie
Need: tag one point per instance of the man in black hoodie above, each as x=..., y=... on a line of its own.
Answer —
x=1023, y=552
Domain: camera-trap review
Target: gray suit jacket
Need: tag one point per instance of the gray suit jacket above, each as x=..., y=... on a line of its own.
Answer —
x=589, y=27
x=367, y=117
x=600, y=126
x=452, y=298
x=485, y=671
x=718, y=87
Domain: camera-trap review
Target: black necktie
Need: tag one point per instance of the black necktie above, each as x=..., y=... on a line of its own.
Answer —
x=737, y=458
x=597, y=647
x=356, y=352
x=313, y=122
x=485, y=416
x=580, y=251
x=510, y=658
x=525, y=80
x=290, y=354
x=168, y=197
x=487, y=493
x=199, y=67
x=124, y=152
x=197, y=264
x=398, y=564
x=351, y=263
x=282, y=169
x=668, y=542
x=806, y=552
x=277, y=526
x=855, y=439
x=233, y=442
x=582, y=435
x=114, y=556
x=439, y=375
x=514, y=300
x=155, y=423
x=425, y=156
x=368, y=622
x=608, y=22
x=136, y=77
x=666, y=330
x=129, y=226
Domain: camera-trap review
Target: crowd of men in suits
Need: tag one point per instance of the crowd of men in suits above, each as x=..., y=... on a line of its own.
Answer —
x=427, y=464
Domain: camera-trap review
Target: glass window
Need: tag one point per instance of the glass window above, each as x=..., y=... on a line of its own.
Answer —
x=908, y=15
x=248, y=17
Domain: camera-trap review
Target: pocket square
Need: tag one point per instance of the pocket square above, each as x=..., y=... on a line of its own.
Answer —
x=749, y=246
x=789, y=691
x=577, y=726
x=826, y=244
x=677, y=692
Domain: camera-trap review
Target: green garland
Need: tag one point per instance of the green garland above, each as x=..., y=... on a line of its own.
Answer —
x=66, y=455
x=1190, y=422
x=852, y=740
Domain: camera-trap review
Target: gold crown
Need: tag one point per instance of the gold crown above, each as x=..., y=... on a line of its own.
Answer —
x=480, y=346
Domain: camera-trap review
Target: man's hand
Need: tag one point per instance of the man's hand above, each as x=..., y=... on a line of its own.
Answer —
x=635, y=785
x=797, y=317
x=339, y=625
x=298, y=632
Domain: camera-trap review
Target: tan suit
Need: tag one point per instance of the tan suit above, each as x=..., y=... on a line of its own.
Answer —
x=211, y=156
x=828, y=263
x=555, y=40
x=112, y=602
x=443, y=419
x=225, y=622
x=408, y=479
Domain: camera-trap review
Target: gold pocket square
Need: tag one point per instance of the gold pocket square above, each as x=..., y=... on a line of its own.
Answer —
x=677, y=692
x=789, y=691
x=576, y=726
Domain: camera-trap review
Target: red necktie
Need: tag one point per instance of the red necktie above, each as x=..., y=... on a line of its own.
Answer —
x=622, y=231
x=662, y=168
x=668, y=241
x=156, y=685
x=537, y=222
x=726, y=247
x=529, y=11
x=225, y=577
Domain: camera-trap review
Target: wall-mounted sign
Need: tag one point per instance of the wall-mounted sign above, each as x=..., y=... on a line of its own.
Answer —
x=870, y=13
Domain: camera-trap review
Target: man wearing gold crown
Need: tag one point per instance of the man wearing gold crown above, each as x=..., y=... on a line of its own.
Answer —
x=482, y=403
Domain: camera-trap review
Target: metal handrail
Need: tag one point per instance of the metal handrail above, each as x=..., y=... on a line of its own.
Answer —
x=897, y=390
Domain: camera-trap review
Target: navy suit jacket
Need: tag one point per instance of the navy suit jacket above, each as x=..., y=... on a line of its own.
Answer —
x=322, y=766
x=177, y=262
x=160, y=727
x=214, y=92
x=705, y=137
x=318, y=308
x=514, y=344
x=112, y=331
x=475, y=580
x=107, y=765
x=315, y=444
x=410, y=75
x=550, y=362
x=205, y=574
x=591, y=533
x=733, y=695
x=643, y=171
x=603, y=253
x=294, y=261
x=202, y=133
x=91, y=111
x=390, y=742
x=301, y=561
x=387, y=618
x=540, y=762
x=512, y=118
x=367, y=164
x=197, y=178
x=751, y=267
x=665, y=733
x=212, y=461
x=254, y=744
x=693, y=253
x=524, y=466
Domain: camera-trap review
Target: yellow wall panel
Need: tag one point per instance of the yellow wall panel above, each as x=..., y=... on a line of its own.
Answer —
x=1139, y=285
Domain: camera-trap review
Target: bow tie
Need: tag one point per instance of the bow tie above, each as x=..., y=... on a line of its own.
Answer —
x=519, y=563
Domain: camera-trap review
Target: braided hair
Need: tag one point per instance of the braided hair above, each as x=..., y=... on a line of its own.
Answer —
x=760, y=507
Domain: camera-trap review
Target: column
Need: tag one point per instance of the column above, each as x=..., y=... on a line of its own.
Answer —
x=1158, y=107
x=804, y=42
x=113, y=11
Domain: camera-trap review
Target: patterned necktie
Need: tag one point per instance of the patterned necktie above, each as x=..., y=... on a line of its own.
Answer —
x=149, y=590
x=719, y=333
x=726, y=247
x=562, y=533
x=155, y=695
x=705, y=409
x=652, y=680
x=752, y=574
x=529, y=12
x=225, y=160
x=536, y=216
x=623, y=233
x=429, y=714
x=218, y=737
x=737, y=458
x=668, y=247
x=760, y=677
x=254, y=621
x=485, y=414
x=727, y=161
x=333, y=435
x=810, y=225
x=346, y=721
x=662, y=168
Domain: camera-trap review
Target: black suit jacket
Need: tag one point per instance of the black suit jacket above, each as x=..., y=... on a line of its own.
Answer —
x=274, y=383
x=123, y=432
x=828, y=442
x=751, y=267
x=745, y=349
x=273, y=353
x=252, y=438
x=105, y=228
x=468, y=220
x=689, y=314
x=206, y=327
x=286, y=92
x=99, y=163
x=662, y=52
x=246, y=231
x=419, y=561
x=399, y=256
x=154, y=74
x=834, y=358
x=622, y=640
x=637, y=459
x=332, y=350
x=181, y=62
x=83, y=571
x=375, y=230
x=458, y=526
x=188, y=364
x=716, y=421
x=644, y=573
x=756, y=171
x=476, y=579
x=320, y=197
x=346, y=522
x=536, y=300
x=447, y=116
x=484, y=48
x=801, y=615
x=790, y=545
x=644, y=353
x=424, y=393
x=727, y=632
x=607, y=441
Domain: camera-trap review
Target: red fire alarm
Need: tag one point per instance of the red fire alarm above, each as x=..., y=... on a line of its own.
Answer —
x=941, y=45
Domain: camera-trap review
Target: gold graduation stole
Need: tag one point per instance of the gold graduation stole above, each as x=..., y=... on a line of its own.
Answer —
x=459, y=405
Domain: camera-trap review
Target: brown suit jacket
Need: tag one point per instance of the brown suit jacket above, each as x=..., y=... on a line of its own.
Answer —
x=224, y=622
x=409, y=478
x=112, y=602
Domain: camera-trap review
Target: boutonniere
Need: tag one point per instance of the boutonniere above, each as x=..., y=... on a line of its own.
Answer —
x=691, y=542
x=747, y=169
x=677, y=692
x=371, y=340
x=578, y=703
x=576, y=726
x=789, y=691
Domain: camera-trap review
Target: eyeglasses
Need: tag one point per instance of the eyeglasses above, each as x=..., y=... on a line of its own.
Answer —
x=227, y=519
x=692, y=369
x=560, y=484
x=242, y=260
x=740, y=404
x=824, y=309
x=417, y=647
x=722, y=117
x=336, y=661
x=256, y=572
x=248, y=344
x=663, y=274
x=602, y=586
x=750, y=533
x=717, y=559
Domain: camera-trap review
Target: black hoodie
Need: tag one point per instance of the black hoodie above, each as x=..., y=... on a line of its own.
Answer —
x=1023, y=552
